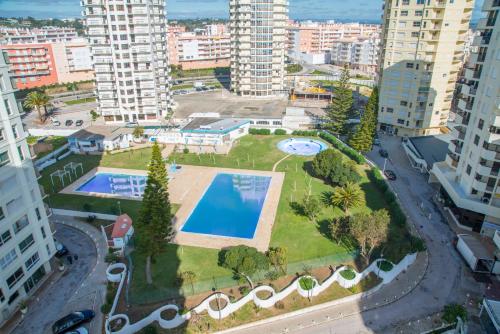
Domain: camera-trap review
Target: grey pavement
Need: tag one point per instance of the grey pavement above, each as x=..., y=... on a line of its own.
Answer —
x=81, y=286
x=445, y=281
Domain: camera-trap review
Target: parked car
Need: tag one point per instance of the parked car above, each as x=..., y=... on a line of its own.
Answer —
x=79, y=122
x=383, y=153
x=56, y=123
x=72, y=320
x=61, y=250
x=390, y=174
x=79, y=330
x=68, y=122
x=132, y=124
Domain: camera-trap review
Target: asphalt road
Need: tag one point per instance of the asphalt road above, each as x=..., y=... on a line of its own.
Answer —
x=445, y=281
x=53, y=302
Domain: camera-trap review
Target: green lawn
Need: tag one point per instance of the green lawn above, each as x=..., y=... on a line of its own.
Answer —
x=293, y=68
x=80, y=101
x=317, y=72
x=205, y=72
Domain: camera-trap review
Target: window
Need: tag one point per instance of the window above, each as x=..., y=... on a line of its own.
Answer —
x=409, y=65
x=13, y=297
x=4, y=237
x=476, y=140
x=406, y=2
x=26, y=243
x=44, y=235
x=480, y=124
x=37, y=212
x=2, y=297
x=414, y=34
x=468, y=169
x=4, y=158
x=20, y=224
x=419, y=13
x=8, y=259
x=7, y=106
x=403, y=103
x=15, y=277
x=404, y=13
x=420, y=2
x=417, y=23
x=14, y=131
x=1, y=135
x=32, y=261
x=2, y=215
x=390, y=110
x=401, y=121
x=21, y=153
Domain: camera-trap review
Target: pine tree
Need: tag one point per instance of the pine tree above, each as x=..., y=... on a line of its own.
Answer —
x=362, y=139
x=341, y=106
x=154, y=228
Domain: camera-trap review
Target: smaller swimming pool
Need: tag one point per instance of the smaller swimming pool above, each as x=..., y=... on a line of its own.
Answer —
x=115, y=184
x=302, y=146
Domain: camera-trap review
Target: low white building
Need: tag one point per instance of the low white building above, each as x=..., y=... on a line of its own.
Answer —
x=119, y=233
x=97, y=139
x=480, y=253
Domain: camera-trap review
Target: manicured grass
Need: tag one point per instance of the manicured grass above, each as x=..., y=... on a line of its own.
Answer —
x=205, y=72
x=293, y=68
x=132, y=159
x=252, y=152
x=179, y=87
x=80, y=101
x=317, y=72
x=348, y=274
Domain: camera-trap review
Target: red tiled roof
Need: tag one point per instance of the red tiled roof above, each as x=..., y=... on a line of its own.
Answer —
x=121, y=226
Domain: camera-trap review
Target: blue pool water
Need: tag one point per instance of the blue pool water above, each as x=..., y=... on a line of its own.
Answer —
x=302, y=146
x=115, y=184
x=230, y=207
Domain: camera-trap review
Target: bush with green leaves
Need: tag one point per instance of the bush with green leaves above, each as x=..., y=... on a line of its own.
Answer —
x=87, y=207
x=244, y=290
x=330, y=166
x=307, y=283
x=280, y=132
x=185, y=150
x=305, y=133
x=106, y=308
x=262, y=132
x=348, y=274
x=385, y=265
x=453, y=311
x=342, y=147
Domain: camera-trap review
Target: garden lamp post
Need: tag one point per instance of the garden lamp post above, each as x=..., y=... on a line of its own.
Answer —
x=119, y=208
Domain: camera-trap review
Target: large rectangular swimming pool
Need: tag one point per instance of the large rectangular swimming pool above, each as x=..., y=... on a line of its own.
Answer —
x=230, y=207
x=115, y=184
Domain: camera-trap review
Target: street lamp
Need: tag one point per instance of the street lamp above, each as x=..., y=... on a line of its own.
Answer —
x=119, y=208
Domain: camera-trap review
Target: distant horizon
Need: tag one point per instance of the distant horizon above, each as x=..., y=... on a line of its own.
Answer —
x=316, y=10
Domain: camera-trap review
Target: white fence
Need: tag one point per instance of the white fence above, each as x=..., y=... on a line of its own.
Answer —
x=179, y=319
x=52, y=132
x=83, y=214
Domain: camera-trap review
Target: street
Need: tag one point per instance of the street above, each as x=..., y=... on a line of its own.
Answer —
x=58, y=299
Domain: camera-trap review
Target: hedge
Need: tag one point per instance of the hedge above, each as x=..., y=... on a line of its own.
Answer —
x=305, y=133
x=264, y=132
x=280, y=132
x=339, y=145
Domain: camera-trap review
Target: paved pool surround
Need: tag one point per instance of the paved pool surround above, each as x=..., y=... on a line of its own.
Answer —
x=186, y=188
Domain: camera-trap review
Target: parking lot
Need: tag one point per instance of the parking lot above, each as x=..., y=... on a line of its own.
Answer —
x=62, y=113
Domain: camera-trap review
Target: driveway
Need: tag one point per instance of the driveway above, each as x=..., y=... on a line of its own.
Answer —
x=65, y=294
x=446, y=279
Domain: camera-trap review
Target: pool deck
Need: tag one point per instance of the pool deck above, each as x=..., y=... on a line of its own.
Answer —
x=186, y=187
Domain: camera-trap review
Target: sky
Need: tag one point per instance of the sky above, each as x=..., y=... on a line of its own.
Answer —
x=343, y=10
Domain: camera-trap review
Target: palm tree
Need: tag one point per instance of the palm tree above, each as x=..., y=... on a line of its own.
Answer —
x=347, y=197
x=37, y=100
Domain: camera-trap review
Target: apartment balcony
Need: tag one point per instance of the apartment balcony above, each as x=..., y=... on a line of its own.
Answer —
x=483, y=169
x=455, y=147
x=489, y=155
x=492, y=138
x=489, y=5
x=468, y=90
x=48, y=210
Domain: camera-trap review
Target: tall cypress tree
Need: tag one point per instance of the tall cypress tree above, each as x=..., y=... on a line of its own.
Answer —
x=154, y=228
x=362, y=139
x=341, y=106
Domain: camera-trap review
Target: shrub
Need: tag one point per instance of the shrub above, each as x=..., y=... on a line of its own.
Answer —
x=385, y=265
x=106, y=308
x=417, y=244
x=307, y=283
x=280, y=132
x=452, y=311
x=244, y=290
x=185, y=150
x=305, y=133
x=348, y=274
x=111, y=258
x=272, y=275
x=341, y=146
x=279, y=305
x=87, y=207
x=330, y=166
x=262, y=132
x=150, y=329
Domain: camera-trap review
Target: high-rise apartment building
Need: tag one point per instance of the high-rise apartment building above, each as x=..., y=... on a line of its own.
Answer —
x=26, y=243
x=36, y=36
x=358, y=53
x=470, y=174
x=128, y=41
x=258, y=41
x=422, y=48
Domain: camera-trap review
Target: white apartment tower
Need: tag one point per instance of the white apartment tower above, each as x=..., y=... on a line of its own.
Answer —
x=422, y=49
x=26, y=243
x=128, y=40
x=258, y=39
x=470, y=175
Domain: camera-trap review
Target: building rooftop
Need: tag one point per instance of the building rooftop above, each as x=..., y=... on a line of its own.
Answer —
x=478, y=246
x=213, y=125
x=121, y=226
x=100, y=132
x=431, y=148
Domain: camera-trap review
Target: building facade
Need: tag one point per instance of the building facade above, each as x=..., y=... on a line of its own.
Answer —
x=205, y=48
x=128, y=41
x=26, y=243
x=258, y=40
x=36, y=36
x=469, y=175
x=421, y=52
x=358, y=53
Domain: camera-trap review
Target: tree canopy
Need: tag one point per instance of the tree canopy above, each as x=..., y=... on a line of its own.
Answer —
x=244, y=260
x=330, y=166
x=362, y=139
x=348, y=197
x=369, y=230
x=341, y=106
x=37, y=100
